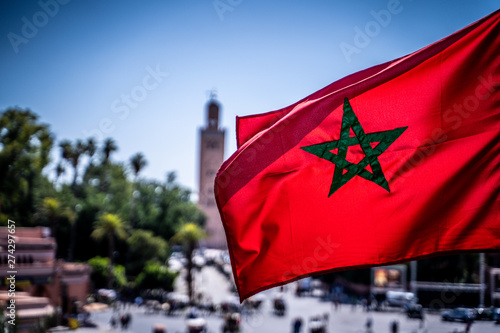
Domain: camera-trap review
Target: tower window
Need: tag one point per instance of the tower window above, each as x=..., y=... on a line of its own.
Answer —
x=213, y=115
x=212, y=144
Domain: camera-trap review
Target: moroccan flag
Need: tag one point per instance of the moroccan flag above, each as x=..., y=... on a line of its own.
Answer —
x=397, y=162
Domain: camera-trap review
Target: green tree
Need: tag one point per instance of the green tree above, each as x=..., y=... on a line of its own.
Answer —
x=91, y=149
x=51, y=211
x=154, y=276
x=164, y=207
x=72, y=154
x=59, y=171
x=143, y=246
x=189, y=235
x=106, y=186
x=109, y=226
x=138, y=162
x=100, y=273
x=109, y=147
x=25, y=146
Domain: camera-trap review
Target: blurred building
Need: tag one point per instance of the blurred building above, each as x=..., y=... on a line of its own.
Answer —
x=483, y=289
x=42, y=283
x=211, y=157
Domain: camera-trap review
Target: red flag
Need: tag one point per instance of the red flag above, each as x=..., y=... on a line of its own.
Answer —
x=400, y=161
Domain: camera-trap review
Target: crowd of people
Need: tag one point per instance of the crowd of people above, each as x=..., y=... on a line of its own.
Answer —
x=122, y=319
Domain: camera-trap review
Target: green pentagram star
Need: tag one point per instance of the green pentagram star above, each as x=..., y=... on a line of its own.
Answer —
x=384, y=139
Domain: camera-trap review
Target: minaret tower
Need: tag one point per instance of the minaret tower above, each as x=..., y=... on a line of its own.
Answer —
x=211, y=158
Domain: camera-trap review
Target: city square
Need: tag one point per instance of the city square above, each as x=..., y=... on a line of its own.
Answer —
x=343, y=319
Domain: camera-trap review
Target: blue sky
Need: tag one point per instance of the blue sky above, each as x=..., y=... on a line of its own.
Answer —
x=140, y=71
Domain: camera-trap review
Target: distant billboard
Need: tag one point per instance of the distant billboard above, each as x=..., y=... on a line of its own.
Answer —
x=387, y=278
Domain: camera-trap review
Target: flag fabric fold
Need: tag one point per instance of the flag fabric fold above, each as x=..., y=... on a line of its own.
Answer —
x=397, y=162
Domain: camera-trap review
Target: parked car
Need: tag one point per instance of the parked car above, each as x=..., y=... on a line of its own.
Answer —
x=460, y=314
x=106, y=295
x=194, y=322
x=414, y=311
x=400, y=298
x=496, y=315
x=484, y=313
x=317, y=324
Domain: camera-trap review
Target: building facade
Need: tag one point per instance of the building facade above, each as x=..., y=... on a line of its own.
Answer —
x=211, y=157
x=41, y=282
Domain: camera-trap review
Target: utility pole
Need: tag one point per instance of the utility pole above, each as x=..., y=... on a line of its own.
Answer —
x=481, y=279
x=413, y=276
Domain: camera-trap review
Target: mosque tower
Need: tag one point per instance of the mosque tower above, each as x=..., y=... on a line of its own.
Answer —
x=211, y=158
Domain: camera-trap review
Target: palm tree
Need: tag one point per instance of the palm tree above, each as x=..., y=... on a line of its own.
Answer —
x=91, y=148
x=189, y=235
x=110, y=226
x=66, y=149
x=59, y=171
x=71, y=216
x=72, y=154
x=109, y=147
x=138, y=162
x=78, y=150
x=52, y=211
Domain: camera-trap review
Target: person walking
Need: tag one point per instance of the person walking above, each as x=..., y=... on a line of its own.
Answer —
x=395, y=327
x=368, y=324
x=113, y=321
x=468, y=324
x=297, y=325
x=127, y=319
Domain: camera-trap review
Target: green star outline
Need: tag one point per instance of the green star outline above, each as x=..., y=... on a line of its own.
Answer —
x=384, y=139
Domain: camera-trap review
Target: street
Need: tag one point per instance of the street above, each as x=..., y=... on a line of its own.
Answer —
x=345, y=318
